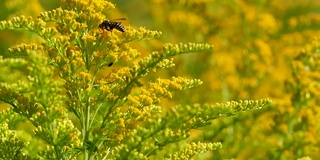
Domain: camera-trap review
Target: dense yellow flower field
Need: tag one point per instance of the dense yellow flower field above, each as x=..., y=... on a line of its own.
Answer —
x=261, y=49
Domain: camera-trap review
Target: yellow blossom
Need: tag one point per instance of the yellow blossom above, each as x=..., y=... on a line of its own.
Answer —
x=146, y=100
x=121, y=122
x=293, y=22
x=85, y=76
x=267, y=22
x=133, y=100
x=88, y=38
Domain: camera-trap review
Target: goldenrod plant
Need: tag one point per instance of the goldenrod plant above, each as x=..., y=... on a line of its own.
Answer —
x=82, y=92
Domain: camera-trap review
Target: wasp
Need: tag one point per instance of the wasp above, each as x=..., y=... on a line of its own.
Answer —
x=109, y=25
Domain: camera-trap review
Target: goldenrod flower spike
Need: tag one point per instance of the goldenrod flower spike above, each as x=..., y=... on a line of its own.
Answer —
x=27, y=23
x=192, y=149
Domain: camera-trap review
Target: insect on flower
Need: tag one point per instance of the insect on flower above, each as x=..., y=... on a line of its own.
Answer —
x=109, y=25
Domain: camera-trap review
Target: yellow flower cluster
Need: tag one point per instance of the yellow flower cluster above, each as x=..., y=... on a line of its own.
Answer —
x=140, y=34
x=191, y=20
x=165, y=87
x=97, y=5
x=193, y=149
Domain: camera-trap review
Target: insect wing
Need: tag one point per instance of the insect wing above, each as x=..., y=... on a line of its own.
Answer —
x=118, y=19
